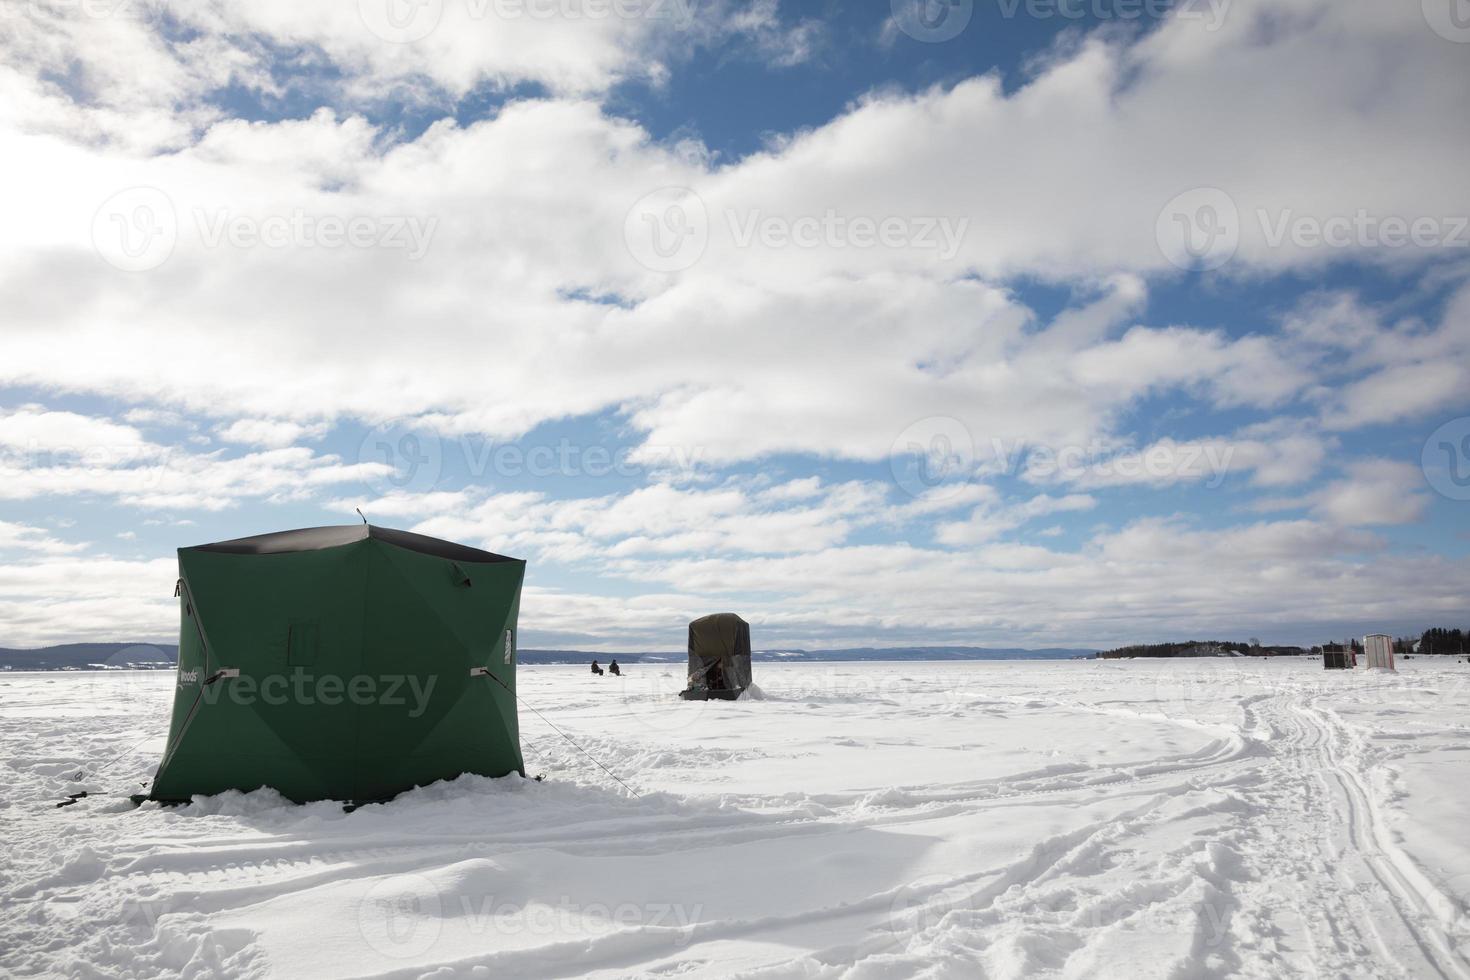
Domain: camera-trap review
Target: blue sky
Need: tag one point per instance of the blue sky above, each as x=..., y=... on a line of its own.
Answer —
x=881, y=324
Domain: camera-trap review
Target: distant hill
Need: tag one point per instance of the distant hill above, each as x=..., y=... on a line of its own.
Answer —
x=153, y=656
x=922, y=653
x=845, y=655
x=92, y=656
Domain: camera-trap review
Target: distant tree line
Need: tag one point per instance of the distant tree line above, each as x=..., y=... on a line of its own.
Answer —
x=1448, y=642
x=1444, y=641
x=1440, y=641
x=1202, y=648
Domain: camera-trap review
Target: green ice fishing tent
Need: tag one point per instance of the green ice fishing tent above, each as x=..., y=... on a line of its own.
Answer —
x=342, y=663
x=719, y=658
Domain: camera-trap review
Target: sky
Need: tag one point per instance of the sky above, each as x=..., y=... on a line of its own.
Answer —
x=984, y=322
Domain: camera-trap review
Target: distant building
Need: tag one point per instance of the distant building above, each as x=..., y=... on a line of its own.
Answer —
x=1378, y=648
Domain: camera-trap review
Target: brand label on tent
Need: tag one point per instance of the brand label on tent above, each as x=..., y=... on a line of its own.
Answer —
x=188, y=677
x=510, y=648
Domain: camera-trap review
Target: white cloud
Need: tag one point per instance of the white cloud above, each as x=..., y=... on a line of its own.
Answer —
x=22, y=537
x=778, y=43
x=802, y=489
x=270, y=433
x=529, y=305
x=32, y=431
x=1375, y=492
x=119, y=72
x=1068, y=173
x=1276, y=453
x=156, y=416
x=1376, y=371
x=63, y=454
x=530, y=207
x=660, y=519
x=1401, y=391
x=1150, y=579
x=990, y=520
x=62, y=600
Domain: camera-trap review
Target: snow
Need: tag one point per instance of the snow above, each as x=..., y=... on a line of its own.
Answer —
x=871, y=821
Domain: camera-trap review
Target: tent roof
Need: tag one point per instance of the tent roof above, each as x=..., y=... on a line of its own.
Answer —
x=322, y=538
x=721, y=635
x=721, y=618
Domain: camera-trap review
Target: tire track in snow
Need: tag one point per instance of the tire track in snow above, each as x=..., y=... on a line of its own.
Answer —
x=217, y=865
x=1354, y=898
x=1304, y=756
x=1413, y=902
x=301, y=862
x=1036, y=890
x=208, y=875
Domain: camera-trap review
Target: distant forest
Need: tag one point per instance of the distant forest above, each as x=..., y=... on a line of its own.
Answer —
x=1202, y=648
x=1438, y=641
x=1443, y=641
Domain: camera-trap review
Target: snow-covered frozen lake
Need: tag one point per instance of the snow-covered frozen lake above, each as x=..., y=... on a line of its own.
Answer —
x=1081, y=819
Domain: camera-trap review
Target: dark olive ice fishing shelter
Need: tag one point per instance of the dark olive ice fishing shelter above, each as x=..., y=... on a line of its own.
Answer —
x=719, y=658
x=342, y=663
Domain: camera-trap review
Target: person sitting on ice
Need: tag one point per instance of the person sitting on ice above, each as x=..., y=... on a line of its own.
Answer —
x=596, y=669
x=614, y=669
